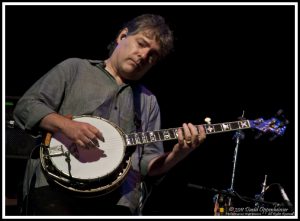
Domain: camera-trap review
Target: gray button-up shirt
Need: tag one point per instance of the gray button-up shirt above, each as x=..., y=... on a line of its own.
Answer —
x=83, y=87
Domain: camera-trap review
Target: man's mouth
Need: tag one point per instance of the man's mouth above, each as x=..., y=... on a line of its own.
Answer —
x=136, y=64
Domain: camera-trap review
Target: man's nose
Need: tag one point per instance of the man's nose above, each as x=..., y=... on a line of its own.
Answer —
x=144, y=53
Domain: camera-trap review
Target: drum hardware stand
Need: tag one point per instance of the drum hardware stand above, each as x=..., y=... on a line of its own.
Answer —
x=239, y=135
x=223, y=203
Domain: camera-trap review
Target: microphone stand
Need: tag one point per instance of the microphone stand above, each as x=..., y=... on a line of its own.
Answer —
x=261, y=196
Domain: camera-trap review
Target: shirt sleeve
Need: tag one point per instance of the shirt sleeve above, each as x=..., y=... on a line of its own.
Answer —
x=155, y=149
x=44, y=97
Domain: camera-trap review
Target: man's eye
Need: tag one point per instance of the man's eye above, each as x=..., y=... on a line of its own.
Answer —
x=151, y=59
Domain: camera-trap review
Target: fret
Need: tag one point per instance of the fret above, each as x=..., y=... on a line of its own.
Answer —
x=137, y=138
x=132, y=139
x=209, y=128
x=128, y=140
x=157, y=135
x=173, y=133
x=234, y=125
x=144, y=137
x=225, y=126
x=218, y=128
x=147, y=134
x=166, y=134
x=152, y=136
x=244, y=124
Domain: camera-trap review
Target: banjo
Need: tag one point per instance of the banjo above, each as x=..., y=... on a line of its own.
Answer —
x=100, y=170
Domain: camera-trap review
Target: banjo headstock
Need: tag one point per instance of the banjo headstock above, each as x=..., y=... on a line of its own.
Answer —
x=273, y=126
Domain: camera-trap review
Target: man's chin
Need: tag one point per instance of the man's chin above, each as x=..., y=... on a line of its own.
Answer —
x=131, y=76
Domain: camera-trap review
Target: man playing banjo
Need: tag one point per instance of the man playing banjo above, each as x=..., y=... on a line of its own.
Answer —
x=107, y=91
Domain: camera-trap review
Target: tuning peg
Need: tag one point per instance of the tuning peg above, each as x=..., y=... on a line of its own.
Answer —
x=273, y=138
x=258, y=136
x=207, y=120
x=259, y=121
x=279, y=113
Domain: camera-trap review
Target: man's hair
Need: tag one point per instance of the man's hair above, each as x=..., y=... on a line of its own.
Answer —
x=154, y=26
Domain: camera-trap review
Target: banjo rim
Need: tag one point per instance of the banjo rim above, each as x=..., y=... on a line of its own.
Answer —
x=112, y=180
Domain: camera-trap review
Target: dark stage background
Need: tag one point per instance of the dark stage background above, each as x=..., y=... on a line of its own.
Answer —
x=227, y=59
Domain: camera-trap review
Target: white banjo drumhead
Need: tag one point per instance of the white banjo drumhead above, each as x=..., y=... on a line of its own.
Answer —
x=90, y=163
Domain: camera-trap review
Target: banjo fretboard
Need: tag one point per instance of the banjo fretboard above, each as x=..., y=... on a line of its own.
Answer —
x=172, y=134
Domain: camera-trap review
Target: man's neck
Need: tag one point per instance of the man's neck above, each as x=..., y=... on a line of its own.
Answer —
x=112, y=72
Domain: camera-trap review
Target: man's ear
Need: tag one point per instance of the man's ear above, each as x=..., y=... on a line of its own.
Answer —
x=122, y=34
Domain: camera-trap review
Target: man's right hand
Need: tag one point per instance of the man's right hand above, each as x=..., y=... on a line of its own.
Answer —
x=82, y=134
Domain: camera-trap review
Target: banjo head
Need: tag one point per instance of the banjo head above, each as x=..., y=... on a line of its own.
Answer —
x=89, y=164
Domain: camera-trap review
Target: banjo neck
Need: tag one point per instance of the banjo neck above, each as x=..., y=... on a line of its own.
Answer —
x=101, y=170
x=172, y=133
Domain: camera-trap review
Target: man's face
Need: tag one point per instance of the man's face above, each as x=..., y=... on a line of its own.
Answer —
x=135, y=55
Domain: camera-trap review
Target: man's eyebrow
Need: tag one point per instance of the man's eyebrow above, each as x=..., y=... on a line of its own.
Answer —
x=144, y=41
x=155, y=51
